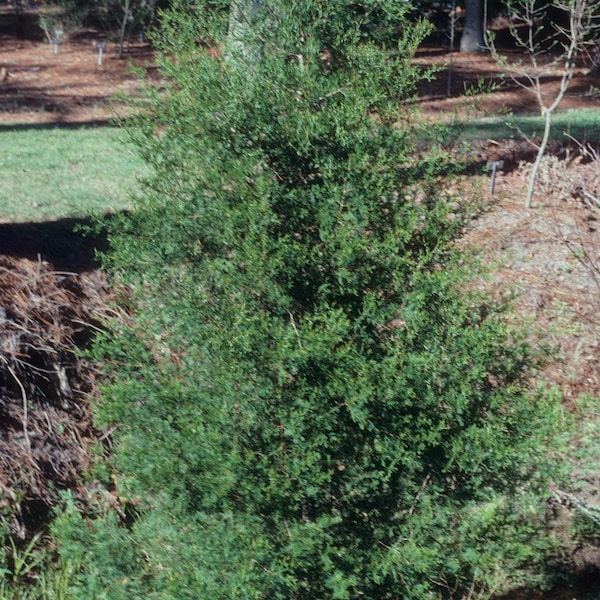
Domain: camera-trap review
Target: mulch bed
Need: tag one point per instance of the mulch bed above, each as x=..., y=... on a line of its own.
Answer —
x=47, y=316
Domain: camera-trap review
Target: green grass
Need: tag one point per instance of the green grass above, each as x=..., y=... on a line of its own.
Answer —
x=583, y=125
x=48, y=173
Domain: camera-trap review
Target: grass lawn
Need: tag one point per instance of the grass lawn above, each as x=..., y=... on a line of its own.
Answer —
x=583, y=125
x=48, y=173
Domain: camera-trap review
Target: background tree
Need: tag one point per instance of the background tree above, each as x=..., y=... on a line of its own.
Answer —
x=473, y=36
x=306, y=404
x=561, y=47
x=117, y=19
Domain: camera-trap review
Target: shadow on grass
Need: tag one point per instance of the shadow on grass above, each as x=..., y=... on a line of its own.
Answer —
x=68, y=244
x=6, y=127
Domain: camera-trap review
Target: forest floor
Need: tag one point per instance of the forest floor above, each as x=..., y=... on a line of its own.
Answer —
x=52, y=296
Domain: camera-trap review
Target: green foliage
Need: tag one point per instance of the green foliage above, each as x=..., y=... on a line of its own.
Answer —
x=307, y=403
x=580, y=499
x=21, y=562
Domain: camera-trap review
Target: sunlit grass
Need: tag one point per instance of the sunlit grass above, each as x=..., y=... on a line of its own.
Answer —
x=51, y=173
x=581, y=124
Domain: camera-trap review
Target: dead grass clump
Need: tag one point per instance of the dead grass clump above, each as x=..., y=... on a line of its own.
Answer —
x=575, y=176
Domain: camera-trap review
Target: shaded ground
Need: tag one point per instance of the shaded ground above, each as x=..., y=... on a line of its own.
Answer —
x=52, y=298
x=38, y=86
x=479, y=72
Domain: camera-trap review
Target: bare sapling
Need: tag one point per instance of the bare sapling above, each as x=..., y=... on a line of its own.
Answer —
x=546, y=52
x=126, y=18
x=453, y=18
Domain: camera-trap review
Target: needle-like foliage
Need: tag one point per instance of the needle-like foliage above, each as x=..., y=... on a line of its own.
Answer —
x=307, y=401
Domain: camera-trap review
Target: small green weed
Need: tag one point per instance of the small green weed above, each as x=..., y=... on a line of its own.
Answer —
x=475, y=91
x=33, y=573
x=22, y=561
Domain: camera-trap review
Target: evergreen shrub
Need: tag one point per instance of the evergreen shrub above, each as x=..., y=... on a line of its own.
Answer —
x=309, y=400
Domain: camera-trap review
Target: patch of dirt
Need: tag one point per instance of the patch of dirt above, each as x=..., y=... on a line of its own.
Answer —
x=40, y=87
x=549, y=255
x=473, y=74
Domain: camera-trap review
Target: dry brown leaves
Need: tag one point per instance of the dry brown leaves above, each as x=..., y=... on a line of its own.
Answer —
x=550, y=257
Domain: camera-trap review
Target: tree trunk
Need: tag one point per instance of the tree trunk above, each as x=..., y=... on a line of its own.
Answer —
x=472, y=38
x=126, y=5
x=241, y=43
x=595, y=66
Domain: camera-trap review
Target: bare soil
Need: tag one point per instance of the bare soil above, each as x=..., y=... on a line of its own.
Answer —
x=52, y=297
x=39, y=87
x=473, y=73
x=549, y=255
